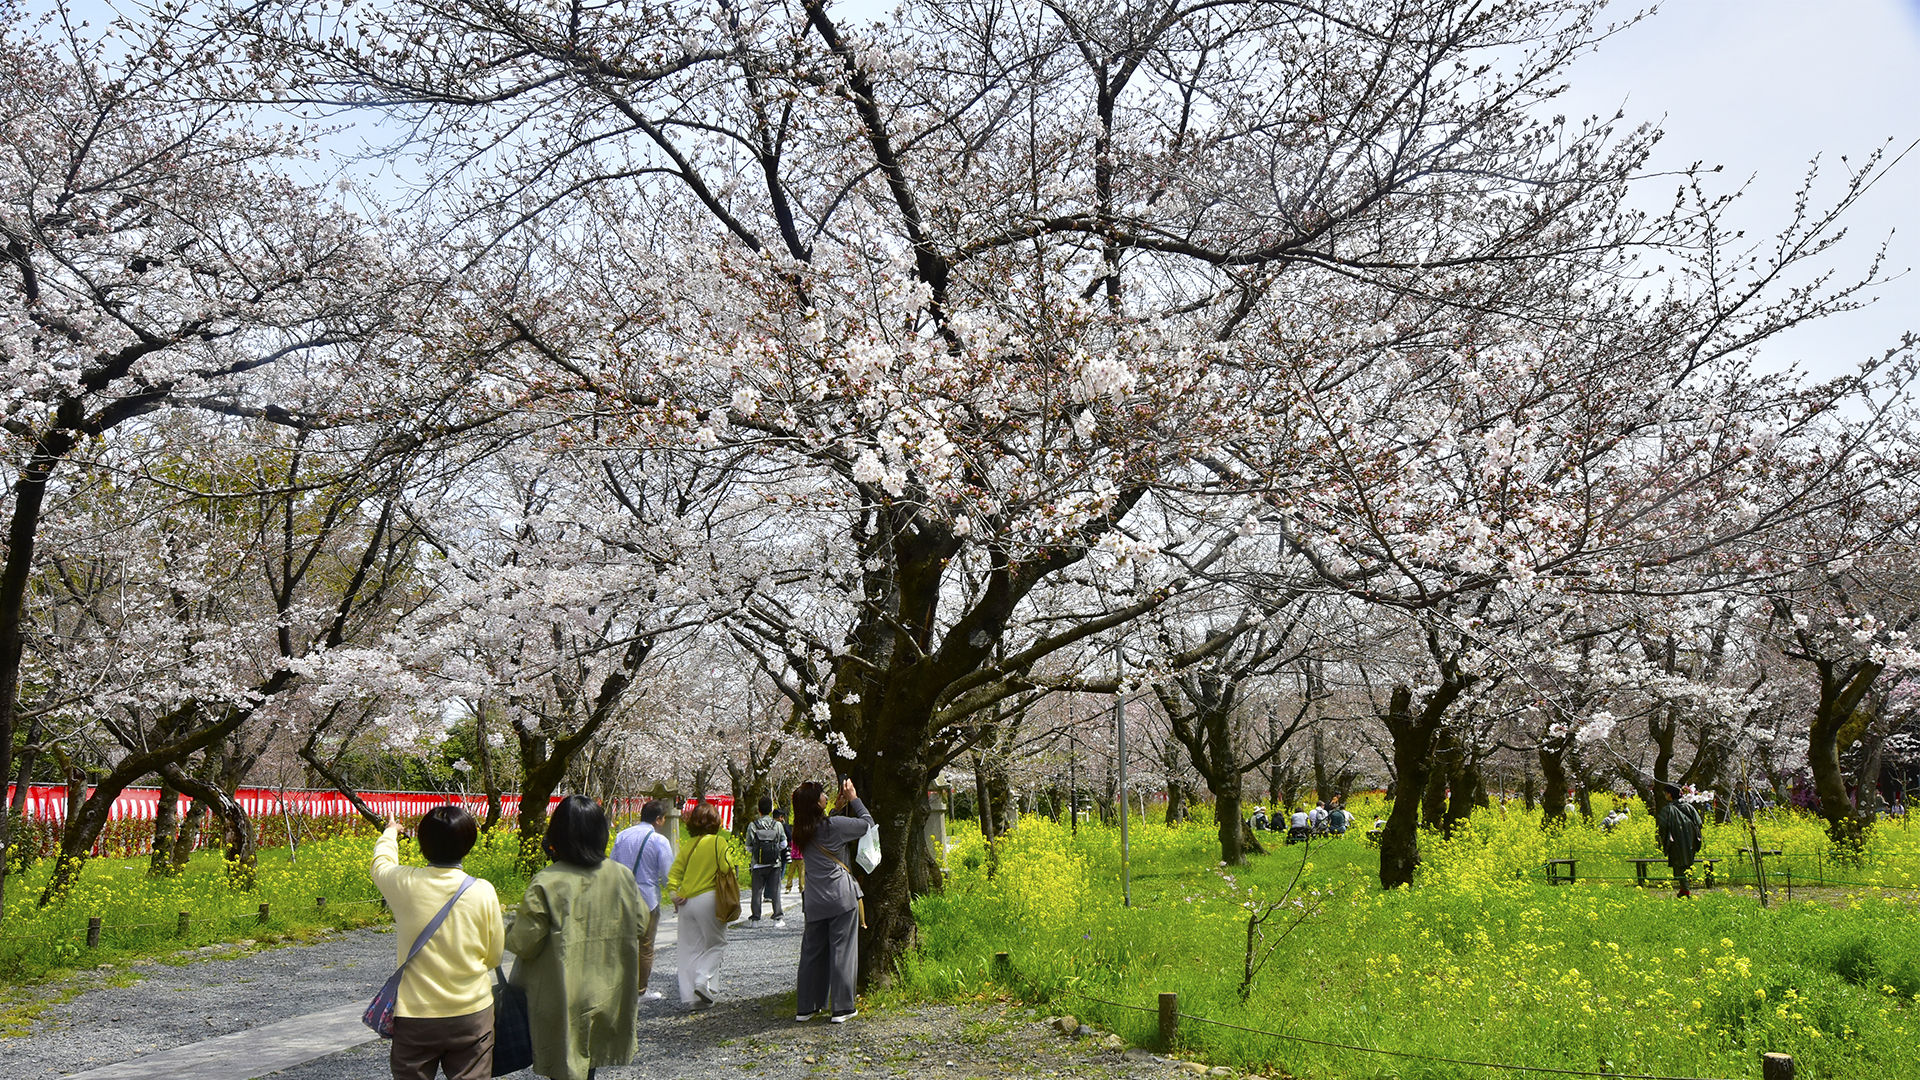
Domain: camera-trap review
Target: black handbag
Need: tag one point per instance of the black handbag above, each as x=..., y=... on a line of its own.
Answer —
x=512, y=1034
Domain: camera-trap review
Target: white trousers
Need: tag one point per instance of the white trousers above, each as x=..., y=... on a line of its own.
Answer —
x=702, y=941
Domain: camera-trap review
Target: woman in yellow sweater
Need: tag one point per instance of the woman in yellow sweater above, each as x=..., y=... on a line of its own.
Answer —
x=443, y=1017
x=703, y=936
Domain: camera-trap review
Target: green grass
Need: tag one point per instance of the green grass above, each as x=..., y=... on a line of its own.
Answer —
x=1480, y=961
x=140, y=915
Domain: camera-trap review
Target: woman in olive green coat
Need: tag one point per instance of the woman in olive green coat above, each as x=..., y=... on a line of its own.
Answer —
x=577, y=939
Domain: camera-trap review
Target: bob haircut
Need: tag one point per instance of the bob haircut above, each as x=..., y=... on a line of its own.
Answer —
x=807, y=814
x=446, y=834
x=703, y=819
x=577, y=832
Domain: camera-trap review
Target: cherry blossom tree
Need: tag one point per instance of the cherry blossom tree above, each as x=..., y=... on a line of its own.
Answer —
x=155, y=260
x=960, y=299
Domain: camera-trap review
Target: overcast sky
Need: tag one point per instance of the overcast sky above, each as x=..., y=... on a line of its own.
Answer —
x=1762, y=87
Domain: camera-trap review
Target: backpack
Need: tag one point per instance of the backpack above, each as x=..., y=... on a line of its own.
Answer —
x=767, y=838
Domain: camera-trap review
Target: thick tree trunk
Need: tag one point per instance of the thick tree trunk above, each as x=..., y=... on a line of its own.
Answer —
x=1467, y=789
x=1662, y=725
x=1433, y=801
x=29, y=496
x=1412, y=758
x=166, y=823
x=1529, y=793
x=242, y=845
x=896, y=797
x=1176, y=802
x=1226, y=809
x=1841, y=692
x=1553, y=796
x=189, y=838
x=1414, y=735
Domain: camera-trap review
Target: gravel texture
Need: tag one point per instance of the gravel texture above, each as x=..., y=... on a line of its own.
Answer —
x=197, y=995
x=751, y=1030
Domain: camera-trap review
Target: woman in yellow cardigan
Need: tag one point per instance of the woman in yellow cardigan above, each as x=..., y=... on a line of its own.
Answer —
x=703, y=936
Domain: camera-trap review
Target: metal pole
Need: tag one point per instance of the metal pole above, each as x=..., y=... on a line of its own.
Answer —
x=1120, y=725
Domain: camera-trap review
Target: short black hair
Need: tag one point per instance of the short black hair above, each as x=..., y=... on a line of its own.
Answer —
x=446, y=834
x=781, y=811
x=766, y=804
x=577, y=832
x=651, y=812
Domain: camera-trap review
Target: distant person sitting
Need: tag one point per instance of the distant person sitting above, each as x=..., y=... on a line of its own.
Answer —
x=1317, y=818
x=1301, y=827
x=1614, y=818
x=1260, y=818
x=1337, y=819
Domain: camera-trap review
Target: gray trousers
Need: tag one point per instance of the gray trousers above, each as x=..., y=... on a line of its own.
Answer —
x=766, y=882
x=829, y=963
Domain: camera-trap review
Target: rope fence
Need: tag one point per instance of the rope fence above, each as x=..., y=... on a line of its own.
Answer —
x=1774, y=1066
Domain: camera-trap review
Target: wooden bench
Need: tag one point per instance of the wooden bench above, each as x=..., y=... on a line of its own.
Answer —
x=1763, y=851
x=1640, y=868
x=1555, y=874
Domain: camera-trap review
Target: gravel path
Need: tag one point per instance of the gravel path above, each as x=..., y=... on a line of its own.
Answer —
x=219, y=990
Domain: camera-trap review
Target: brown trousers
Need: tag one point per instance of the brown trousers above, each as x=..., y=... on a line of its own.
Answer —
x=646, y=946
x=462, y=1045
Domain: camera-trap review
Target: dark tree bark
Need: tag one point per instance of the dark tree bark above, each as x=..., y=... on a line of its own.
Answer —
x=1414, y=735
x=1553, y=773
x=166, y=823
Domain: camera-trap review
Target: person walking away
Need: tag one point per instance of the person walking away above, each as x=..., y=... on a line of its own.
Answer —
x=1677, y=827
x=650, y=855
x=830, y=899
x=443, y=1016
x=703, y=937
x=576, y=935
x=796, y=873
x=789, y=866
x=766, y=847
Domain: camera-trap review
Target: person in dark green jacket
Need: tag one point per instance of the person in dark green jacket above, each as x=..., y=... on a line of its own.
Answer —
x=577, y=939
x=1677, y=827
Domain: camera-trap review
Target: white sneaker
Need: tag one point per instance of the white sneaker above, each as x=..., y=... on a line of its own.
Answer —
x=652, y=995
x=801, y=1018
x=841, y=1018
x=779, y=924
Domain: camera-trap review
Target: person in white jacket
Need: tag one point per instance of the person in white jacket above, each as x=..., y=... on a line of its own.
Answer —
x=443, y=1017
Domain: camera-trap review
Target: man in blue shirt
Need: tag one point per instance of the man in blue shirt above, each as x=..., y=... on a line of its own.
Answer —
x=643, y=850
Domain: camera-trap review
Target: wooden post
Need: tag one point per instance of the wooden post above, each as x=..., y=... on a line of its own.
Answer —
x=1789, y=884
x=93, y=932
x=1776, y=1067
x=185, y=921
x=320, y=903
x=1002, y=965
x=1169, y=1019
x=264, y=912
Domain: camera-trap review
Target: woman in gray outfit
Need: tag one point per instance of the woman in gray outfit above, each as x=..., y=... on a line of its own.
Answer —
x=830, y=946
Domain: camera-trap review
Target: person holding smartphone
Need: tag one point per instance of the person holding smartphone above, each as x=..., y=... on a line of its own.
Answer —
x=831, y=900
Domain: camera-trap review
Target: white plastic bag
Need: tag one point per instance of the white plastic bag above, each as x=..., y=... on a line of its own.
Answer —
x=868, y=854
